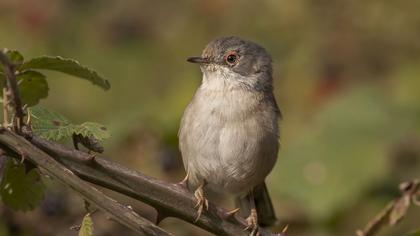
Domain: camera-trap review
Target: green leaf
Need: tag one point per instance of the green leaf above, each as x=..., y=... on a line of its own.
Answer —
x=20, y=190
x=50, y=125
x=92, y=129
x=86, y=229
x=33, y=87
x=15, y=57
x=67, y=66
x=53, y=126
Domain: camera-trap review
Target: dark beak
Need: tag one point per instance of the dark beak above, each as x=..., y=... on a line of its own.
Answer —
x=199, y=60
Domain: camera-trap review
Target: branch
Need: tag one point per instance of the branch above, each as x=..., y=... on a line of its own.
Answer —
x=12, y=87
x=170, y=200
x=120, y=213
x=395, y=210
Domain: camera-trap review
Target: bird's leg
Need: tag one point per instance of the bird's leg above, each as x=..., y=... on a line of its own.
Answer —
x=252, y=219
x=202, y=202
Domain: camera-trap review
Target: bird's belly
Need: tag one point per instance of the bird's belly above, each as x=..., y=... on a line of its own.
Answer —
x=231, y=155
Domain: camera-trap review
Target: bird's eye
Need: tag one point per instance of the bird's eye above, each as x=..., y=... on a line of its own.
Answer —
x=231, y=58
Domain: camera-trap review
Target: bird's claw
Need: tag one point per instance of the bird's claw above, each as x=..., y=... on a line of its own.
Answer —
x=202, y=202
x=252, y=222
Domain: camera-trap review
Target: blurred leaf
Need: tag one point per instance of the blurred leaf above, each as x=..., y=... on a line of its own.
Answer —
x=33, y=87
x=416, y=233
x=50, y=125
x=53, y=126
x=86, y=229
x=92, y=129
x=20, y=190
x=15, y=57
x=321, y=169
x=399, y=210
x=67, y=66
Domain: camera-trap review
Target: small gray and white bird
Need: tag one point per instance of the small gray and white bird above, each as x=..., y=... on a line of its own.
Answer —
x=229, y=135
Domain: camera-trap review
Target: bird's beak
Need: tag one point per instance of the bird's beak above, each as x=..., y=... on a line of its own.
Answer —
x=199, y=60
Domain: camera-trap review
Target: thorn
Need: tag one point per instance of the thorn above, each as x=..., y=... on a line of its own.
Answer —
x=90, y=159
x=230, y=215
x=284, y=230
x=22, y=156
x=184, y=182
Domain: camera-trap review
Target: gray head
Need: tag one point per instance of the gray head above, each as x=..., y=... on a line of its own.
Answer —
x=236, y=59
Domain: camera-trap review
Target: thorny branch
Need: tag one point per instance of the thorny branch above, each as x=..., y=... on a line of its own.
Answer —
x=395, y=210
x=170, y=200
x=13, y=143
x=70, y=166
x=12, y=88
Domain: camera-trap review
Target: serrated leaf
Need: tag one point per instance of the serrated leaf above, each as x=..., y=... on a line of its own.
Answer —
x=50, y=125
x=86, y=229
x=20, y=190
x=67, y=66
x=92, y=129
x=400, y=209
x=53, y=126
x=33, y=87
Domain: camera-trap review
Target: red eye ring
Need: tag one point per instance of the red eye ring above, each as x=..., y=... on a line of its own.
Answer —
x=231, y=58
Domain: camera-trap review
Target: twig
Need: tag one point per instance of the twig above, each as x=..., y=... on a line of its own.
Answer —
x=11, y=84
x=120, y=213
x=168, y=199
x=5, y=109
x=394, y=211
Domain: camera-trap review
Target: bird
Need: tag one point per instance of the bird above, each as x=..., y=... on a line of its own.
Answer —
x=229, y=132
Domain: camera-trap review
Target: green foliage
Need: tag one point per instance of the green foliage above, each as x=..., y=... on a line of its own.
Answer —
x=15, y=57
x=86, y=229
x=19, y=189
x=53, y=126
x=67, y=66
x=92, y=129
x=416, y=233
x=32, y=86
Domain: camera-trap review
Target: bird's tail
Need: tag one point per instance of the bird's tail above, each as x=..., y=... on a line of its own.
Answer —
x=263, y=204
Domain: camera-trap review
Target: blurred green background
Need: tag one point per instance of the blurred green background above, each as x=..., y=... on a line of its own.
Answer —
x=346, y=78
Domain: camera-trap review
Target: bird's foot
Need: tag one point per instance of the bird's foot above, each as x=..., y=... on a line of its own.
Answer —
x=252, y=222
x=202, y=202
